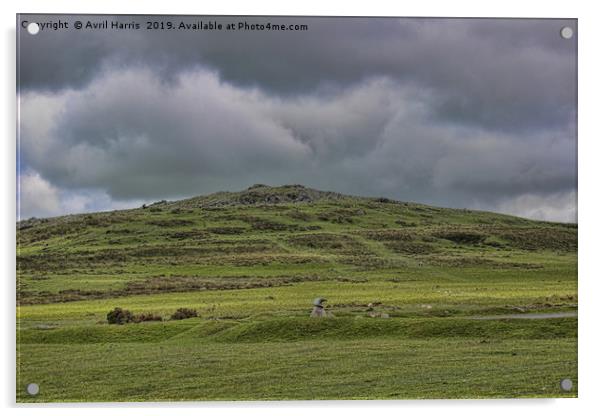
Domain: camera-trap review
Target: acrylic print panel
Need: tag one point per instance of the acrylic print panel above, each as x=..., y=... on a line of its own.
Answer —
x=295, y=208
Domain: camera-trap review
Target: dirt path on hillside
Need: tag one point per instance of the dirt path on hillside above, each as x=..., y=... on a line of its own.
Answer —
x=528, y=316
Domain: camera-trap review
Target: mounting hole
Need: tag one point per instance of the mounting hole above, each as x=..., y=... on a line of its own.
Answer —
x=566, y=384
x=33, y=389
x=566, y=32
x=33, y=28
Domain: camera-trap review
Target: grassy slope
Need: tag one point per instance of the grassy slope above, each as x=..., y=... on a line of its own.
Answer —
x=251, y=263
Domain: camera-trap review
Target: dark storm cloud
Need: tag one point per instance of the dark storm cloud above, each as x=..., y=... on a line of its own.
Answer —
x=507, y=74
x=466, y=113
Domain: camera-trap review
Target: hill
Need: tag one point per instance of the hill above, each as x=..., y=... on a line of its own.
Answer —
x=403, y=280
x=59, y=259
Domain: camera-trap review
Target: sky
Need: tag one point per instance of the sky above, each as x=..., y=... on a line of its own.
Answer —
x=463, y=113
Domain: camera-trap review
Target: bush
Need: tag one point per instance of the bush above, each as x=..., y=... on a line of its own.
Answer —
x=184, y=313
x=143, y=317
x=384, y=200
x=404, y=223
x=462, y=237
x=123, y=316
x=119, y=316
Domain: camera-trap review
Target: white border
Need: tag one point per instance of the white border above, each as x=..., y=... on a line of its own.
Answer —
x=590, y=235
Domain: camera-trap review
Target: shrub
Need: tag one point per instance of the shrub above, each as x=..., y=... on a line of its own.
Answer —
x=143, y=317
x=119, y=316
x=171, y=223
x=462, y=237
x=409, y=247
x=226, y=230
x=404, y=223
x=340, y=216
x=391, y=235
x=300, y=215
x=184, y=313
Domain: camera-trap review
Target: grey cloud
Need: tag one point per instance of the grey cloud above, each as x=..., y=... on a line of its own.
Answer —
x=507, y=74
x=37, y=197
x=560, y=207
x=154, y=138
x=474, y=113
x=134, y=137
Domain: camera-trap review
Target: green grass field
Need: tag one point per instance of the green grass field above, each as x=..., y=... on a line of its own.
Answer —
x=404, y=282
